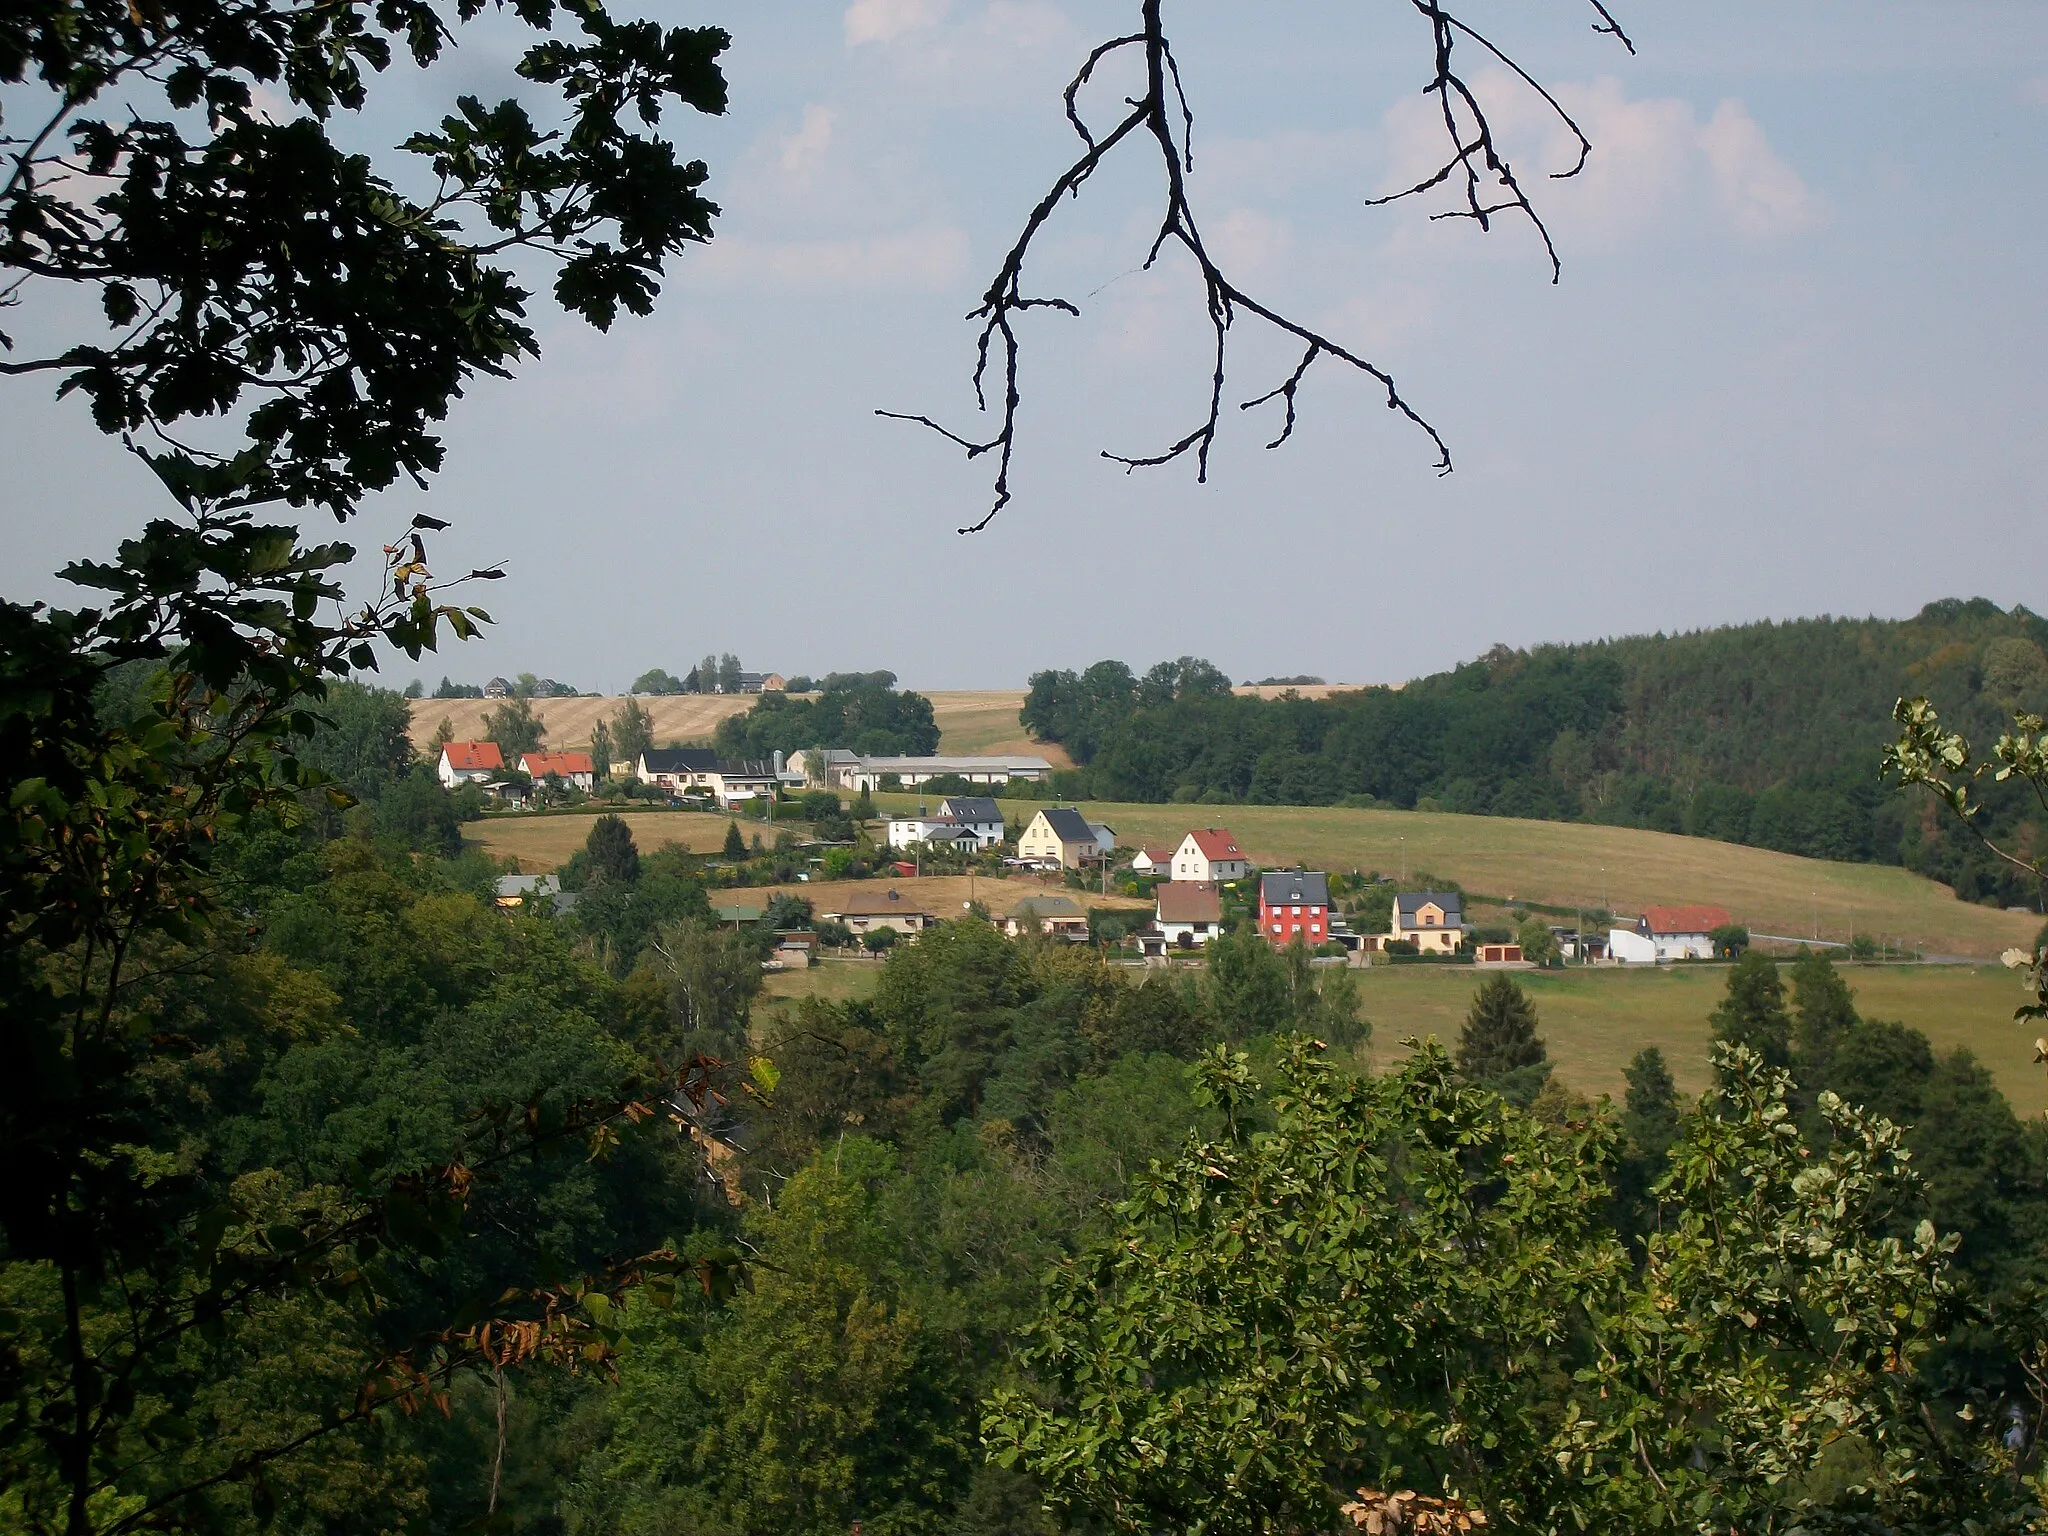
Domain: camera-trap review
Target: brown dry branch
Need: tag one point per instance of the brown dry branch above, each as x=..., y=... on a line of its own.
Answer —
x=1408, y=1513
x=1161, y=114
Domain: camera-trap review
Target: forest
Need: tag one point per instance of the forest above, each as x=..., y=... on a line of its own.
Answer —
x=1769, y=734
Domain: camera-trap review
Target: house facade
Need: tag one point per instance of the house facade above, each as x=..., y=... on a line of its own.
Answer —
x=675, y=769
x=1433, y=921
x=466, y=762
x=972, y=822
x=1189, y=913
x=575, y=768
x=850, y=771
x=1058, y=917
x=1156, y=863
x=1210, y=855
x=1060, y=838
x=865, y=911
x=1294, y=904
x=733, y=784
x=1682, y=933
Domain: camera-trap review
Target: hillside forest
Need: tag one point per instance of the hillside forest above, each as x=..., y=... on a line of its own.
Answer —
x=1768, y=734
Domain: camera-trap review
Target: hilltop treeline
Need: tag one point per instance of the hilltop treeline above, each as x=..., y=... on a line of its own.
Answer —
x=866, y=716
x=1768, y=734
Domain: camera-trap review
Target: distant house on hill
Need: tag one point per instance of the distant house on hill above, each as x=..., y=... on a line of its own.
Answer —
x=1156, y=862
x=1433, y=921
x=1294, y=904
x=1211, y=854
x=848, y=770
x=469, y=762
x=574, y=768
x=1062, y=838
x=498, y=688
x=1682, y=933
x=1056, y=916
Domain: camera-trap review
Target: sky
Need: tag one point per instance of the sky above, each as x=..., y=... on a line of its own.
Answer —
x=1794, y=364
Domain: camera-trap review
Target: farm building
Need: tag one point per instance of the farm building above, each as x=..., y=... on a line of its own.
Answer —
x=1682, y=933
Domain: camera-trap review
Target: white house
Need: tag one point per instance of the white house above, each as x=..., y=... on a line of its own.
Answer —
x=1153, y=861
x=465, y=762
x=1060, y=838
x=1630, y=947
x=1210, y=855
x=570, y=767
x=1189, y=913
x=972, y=821
x=1682, y=933
x=980, y=814
x=675, y=769
x=732, y=783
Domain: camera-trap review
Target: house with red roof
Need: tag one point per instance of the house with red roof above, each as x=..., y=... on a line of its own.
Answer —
x=570, y=767
x=1682, y=933
x=1210, y=855
x=467, y=762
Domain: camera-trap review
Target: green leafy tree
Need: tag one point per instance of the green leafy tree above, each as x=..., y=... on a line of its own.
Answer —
x=1539, y=944
x=632, y=731
x=1426, y=1255
x=1752, y=1014
x=609, y=851
x=363, y=741
x=1250, y=991
x=657, y=682
x=1499, y=1046
x=515, y=728
x=1729, y=940
x=729, y=673
x=601, y=755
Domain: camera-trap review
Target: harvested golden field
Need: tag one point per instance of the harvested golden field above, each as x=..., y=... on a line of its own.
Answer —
x=1572, y=865
x=940, y=895
x=978, y=722
x=544, y=843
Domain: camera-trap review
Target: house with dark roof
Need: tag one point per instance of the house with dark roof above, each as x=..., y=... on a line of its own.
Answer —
x=1433, y=921
x=675, y=769
x=1294, y=904
x=1062, y=838
x=464, y=762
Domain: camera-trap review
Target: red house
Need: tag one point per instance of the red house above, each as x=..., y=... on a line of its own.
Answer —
x=1294, y=904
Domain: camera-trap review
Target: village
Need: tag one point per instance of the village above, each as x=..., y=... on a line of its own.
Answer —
x=1198, y=888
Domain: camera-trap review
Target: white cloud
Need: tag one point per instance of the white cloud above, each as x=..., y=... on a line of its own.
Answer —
x=881, y=21
x=916, y=259
x=1248, y=244
x=1652, y=161
x=803, y=150
x=1025, y=24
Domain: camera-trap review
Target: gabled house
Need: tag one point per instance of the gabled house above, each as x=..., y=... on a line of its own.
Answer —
x=1189, y=913
x=573, y=768
x=1433, y=921
x=1060, y=838
x=1055, y=916
x=675, y=769
x=1211, y=854
x=1682, y=933
x=467, y=762
x=865, y=911
x=732, y=783
x=972, y=822
x=981, y=815
x=1294, y=904
x=497, y=688
x=1155, y=863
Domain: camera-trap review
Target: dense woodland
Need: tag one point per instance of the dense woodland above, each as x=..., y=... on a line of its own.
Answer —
x=884, y=1187
x=864, y=715
x=1768, y=734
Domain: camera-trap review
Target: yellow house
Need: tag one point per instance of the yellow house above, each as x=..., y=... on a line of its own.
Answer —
x=1062, y=839
x=1434, y=921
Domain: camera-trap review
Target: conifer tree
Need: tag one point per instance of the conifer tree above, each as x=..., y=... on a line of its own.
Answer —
x=1753, y=1013
x=611, y=852
x=735, y=845
x=1499, y=1048
x=1650, y=1109
x=1825, y=1012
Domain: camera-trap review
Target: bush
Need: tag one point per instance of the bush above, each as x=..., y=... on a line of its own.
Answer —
x=879, y=940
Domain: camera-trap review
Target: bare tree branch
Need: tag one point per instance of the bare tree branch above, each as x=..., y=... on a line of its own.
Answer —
x=1484, y=177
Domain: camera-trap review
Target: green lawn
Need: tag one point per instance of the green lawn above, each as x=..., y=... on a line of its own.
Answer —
x=1595, y=1020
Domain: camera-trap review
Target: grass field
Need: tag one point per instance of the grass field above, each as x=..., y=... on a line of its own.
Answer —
x=544, y=843
x=1572, y=865
x=1594, y=1021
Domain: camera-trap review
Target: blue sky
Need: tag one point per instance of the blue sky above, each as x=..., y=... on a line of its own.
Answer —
x=1795, y=363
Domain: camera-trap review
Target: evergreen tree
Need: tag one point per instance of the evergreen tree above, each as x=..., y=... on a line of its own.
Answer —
x=735, y=845
x=1753, y=1013
x=1499, y=1048
x=610, y=851
x=1825, y=1012
x=1249, y=991
x=864, y=807
x=1650, y=1109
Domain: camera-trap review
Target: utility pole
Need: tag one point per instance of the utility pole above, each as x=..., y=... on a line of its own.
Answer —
x=1404, y=860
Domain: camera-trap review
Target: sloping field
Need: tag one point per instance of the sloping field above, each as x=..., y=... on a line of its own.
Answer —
x=973, y=722
x=1595, y=1020
x=1571, y=865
